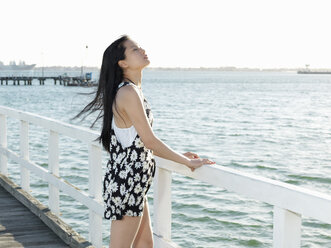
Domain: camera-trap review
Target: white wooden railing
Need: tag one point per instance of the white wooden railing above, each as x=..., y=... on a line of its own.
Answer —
x=290, y=202
x=93, y=200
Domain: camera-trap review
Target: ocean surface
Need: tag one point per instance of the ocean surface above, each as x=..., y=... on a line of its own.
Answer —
x=272, y=124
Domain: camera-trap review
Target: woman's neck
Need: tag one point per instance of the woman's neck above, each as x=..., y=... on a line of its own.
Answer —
x=134, y=77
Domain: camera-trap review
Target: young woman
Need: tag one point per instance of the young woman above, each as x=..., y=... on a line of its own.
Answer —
x=128, y=137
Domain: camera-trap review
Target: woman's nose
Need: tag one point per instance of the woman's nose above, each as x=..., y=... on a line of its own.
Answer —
x=142, y=50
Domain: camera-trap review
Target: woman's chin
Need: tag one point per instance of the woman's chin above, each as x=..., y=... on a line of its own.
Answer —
x=147, y=63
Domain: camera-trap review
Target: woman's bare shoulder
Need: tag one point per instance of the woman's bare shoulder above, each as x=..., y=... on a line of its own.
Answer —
x=128, y=94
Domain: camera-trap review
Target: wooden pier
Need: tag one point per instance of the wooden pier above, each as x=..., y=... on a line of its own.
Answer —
x=290, y=203
x=63, y=80
x=25, y=222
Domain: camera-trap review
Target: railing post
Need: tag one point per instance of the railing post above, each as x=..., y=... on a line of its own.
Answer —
x=162, y=204
x=53, y=167
x=286, y=229
x=24, y=148
x=3, y=143
x=95, y=191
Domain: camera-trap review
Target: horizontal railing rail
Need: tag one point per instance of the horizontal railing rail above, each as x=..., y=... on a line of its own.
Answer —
x=92, y=200
x=290, y=202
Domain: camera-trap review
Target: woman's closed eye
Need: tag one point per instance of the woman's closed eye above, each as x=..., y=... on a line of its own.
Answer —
x=137, y=48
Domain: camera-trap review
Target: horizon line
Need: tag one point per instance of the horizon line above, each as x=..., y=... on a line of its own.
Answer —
x=201, y=67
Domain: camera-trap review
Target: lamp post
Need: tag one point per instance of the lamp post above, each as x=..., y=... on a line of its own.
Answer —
x=84, y=57
x=42, y=64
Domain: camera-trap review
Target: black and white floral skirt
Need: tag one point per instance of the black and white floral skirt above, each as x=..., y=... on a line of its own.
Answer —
x=128, y=177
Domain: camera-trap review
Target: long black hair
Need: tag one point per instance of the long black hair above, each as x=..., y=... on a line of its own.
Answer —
x=111, y=75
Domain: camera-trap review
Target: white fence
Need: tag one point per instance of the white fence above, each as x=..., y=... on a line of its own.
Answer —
x=290, y=202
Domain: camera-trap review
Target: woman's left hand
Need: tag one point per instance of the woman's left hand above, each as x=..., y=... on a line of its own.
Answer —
x=191, y=155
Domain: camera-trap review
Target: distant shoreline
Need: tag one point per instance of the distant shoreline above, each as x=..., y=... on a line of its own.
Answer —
x=230, y=68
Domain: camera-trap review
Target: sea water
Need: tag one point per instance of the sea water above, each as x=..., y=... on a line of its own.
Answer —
x=272, y=124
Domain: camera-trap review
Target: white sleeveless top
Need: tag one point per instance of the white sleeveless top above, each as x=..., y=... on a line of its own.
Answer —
x=125, y=135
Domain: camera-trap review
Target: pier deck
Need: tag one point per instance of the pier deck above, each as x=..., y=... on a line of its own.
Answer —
x=23, y=225
x=21, y=228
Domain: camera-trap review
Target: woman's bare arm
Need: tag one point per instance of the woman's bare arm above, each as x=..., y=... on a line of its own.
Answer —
x=130, y=101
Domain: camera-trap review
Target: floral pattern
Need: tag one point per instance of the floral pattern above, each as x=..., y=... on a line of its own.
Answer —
x=129, y=174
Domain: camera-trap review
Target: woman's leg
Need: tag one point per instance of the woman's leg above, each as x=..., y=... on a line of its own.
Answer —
x=123, y=232
x=144, y=237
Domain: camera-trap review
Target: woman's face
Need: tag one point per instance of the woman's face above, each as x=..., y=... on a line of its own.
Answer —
x=135, y=56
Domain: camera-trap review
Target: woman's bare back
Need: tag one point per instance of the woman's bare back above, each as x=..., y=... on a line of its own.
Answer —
x=121, y=118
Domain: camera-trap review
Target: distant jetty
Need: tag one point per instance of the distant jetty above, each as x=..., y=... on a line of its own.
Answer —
x=316, y=71
x=313, y=72
x=63, y=80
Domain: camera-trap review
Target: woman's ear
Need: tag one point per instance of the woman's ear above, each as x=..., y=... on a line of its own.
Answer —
x=122, y=64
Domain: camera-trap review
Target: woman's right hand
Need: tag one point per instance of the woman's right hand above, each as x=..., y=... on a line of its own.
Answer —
x=198, y=162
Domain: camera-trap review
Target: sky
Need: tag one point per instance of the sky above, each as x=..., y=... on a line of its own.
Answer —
x=174, y=33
